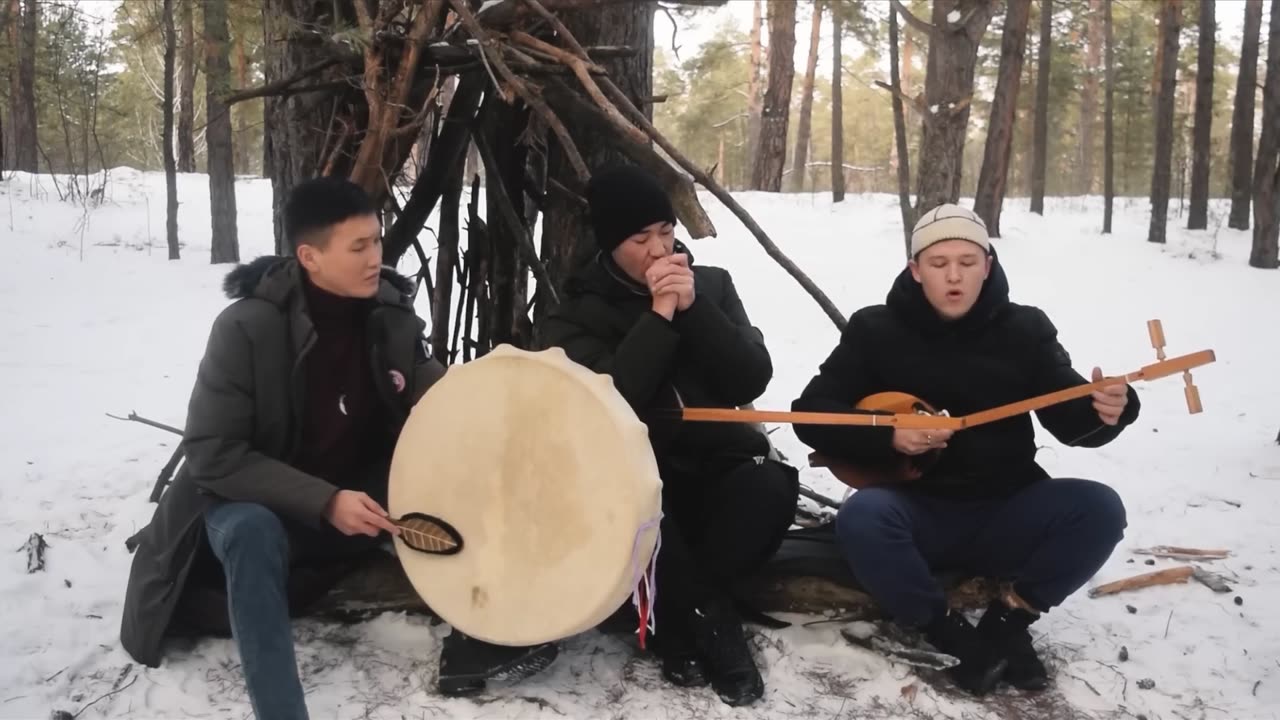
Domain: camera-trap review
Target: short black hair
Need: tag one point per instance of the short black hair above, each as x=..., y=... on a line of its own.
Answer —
x=318, y=204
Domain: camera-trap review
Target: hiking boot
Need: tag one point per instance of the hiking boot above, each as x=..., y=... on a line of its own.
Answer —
x=718, y=633
x=467, y=663
x=682, y=665
x=980, y=668
x=1004, y=629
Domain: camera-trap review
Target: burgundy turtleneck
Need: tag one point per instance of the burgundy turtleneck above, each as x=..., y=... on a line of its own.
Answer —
x=341, y=411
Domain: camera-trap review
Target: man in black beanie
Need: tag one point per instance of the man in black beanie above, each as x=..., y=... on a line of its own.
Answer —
x=671, y=333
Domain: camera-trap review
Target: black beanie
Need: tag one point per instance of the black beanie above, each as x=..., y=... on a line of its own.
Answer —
x=625, y=199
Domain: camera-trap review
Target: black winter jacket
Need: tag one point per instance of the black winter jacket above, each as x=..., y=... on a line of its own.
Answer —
x=707, y=356
x=1000, y=352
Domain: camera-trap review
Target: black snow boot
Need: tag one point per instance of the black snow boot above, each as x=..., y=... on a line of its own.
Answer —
x=718, y=632
x=682, y=664
x=1004, y=629
x=980, y=667
x=467, y=663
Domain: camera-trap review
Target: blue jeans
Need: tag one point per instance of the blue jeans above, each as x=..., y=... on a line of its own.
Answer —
x=251, y=543
x=1049, y=538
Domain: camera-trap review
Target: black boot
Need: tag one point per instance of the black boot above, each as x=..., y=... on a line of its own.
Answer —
x=980, y=669
x=682, y=664
x=1005, y=629
x=717, y=630
x=466, y=663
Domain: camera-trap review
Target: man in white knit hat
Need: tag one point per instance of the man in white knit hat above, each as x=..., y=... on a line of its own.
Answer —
x=949, y=335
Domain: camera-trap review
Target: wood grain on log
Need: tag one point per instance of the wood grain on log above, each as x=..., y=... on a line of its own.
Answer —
x=1168, y=576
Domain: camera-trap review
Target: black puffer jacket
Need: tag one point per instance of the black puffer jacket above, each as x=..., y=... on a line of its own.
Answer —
x=1000, y=352
x=707, y=356
x=243, y=428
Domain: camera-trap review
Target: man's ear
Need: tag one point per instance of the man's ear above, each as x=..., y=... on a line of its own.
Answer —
x=915, y=269
x=307, y=257
x=987, y=274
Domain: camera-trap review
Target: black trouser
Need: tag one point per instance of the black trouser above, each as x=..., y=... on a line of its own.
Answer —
x=718, y=527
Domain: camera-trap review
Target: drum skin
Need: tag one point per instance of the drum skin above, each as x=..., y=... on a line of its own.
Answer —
x=549, y=477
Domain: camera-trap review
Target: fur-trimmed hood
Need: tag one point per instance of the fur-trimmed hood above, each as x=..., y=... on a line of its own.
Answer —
x=276, y=277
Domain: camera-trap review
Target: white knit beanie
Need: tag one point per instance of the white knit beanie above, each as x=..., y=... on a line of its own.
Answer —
x=948, y=222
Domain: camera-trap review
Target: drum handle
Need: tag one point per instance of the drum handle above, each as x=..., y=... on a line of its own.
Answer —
x=644, y=579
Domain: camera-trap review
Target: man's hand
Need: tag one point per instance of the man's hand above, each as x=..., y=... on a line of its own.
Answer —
x=665, y=305
x=1110, y=400
x=356, y=513
x=918, y=442
x=672, y=275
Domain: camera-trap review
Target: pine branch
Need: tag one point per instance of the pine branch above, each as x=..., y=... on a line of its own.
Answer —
x=277, y=87
x=912, y=20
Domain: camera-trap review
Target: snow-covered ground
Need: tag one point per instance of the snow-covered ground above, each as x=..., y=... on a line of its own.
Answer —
x=95, y=319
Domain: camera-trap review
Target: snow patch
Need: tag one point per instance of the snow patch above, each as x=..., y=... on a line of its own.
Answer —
x=124, y=329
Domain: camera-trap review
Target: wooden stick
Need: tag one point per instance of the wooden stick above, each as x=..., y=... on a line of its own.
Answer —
x=508, y=213
x=530, y=97
x=1164, y=550
x=1168, y=576
x=583, y=72
x=134, y=417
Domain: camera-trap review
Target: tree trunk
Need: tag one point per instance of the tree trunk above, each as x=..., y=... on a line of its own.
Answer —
x=755, y=92
x=221, y=153
x=1109, y=139
x=1198, y=214
x=8, y=12
x=900, y=135
x=1242, y=118
x=22, y=117
x=244, y=158
x=1089, y=96
x=948, y=90
x=187, y=91
x=1040, y=143
x=803, y=133
x=837, y=107
x=268, y=110
x=774, y=118
x=170, y=165
x=1170, y=22
x=1266, y=174
x=567, y=239
x=994, y=176
x=296, y=125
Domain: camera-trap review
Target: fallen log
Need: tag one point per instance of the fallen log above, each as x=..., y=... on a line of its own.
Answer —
x=382, y=587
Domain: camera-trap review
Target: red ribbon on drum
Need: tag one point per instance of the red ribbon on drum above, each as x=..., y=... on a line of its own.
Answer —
x=645, y=581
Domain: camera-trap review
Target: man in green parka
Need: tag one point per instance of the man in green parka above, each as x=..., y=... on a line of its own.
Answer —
x=306, y=381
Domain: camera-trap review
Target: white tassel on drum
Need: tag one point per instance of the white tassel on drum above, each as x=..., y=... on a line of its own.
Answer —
x=644, y=597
